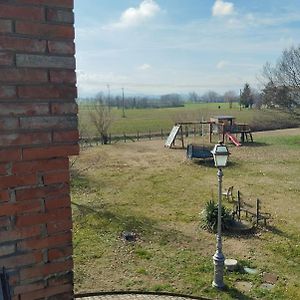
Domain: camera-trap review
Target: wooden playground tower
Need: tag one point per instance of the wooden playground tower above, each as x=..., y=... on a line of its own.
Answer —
x=228, y=129
x=224, y=126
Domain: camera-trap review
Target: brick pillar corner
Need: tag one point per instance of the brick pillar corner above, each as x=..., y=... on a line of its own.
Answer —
x=38, y=132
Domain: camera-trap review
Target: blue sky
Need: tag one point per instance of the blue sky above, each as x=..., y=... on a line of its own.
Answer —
x=167, y=46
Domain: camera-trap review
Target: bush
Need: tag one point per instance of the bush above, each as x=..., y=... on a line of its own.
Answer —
x=210, y=217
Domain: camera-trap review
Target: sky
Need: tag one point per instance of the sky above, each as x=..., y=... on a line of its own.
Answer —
x=154, y=47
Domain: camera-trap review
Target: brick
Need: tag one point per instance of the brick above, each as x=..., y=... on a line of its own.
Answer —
x=4, y=221
x=67, y=48
x=58, y=3
x=43, y=218
x=65, y=76
x=64, y=108
x=45, y=270
x=15, y=181
x=21, y=289
x=60, y=226
x=5, y=26
x=22, y=207
x=65, y=136
x=7, y=92
x=3, y=169
x=60, y=16
x=40, y=166
x=27, y=109
x=46, y=243
x=35, y=138
x=48, y=122
x=56, y=177
x=21, y=13
x=13, y=278
x=22, y=44
x=10, y=155
x=49, y=152
x=4, y=195
x=6, y=59
x=7, y=123
x=54, y=254
x=59, y=279
x=47, y=31
x=47, y=92
x=48, y=192
x=59, y=202
x=23, y=75
x=42, y=61
x=7, y=250
x=21, y=260
x=50, y=291
x=21, y=233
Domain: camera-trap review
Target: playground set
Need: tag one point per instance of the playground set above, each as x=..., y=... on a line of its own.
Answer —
x=224, y=126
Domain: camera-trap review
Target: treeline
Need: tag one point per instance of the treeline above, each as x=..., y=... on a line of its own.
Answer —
x=136, y=102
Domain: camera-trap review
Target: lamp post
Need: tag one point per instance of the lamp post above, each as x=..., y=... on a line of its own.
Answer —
x=220, y=154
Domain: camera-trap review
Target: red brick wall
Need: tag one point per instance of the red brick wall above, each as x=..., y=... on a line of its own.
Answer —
x=38, y=131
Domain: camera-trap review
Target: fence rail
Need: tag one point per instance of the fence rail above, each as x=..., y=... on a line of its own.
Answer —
x=134, y=137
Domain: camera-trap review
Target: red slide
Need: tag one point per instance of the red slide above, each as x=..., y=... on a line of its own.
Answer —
x=233, y=139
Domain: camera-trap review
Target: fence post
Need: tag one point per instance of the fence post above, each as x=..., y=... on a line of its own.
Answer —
x=239, y=204
x=109, y=138
x=124, y=134
x=257, y=211
x=150, y=135
x=138, y=136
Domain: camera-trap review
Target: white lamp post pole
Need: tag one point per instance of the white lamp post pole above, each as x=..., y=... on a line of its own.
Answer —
x=220, y=153
x=219, y=258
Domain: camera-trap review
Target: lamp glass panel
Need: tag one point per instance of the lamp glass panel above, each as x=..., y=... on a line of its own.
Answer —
x=220, y=160
x=222, y=149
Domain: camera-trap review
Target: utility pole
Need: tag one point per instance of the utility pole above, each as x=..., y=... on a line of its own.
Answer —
x=123, y=102
x=240, y=99
x=108, y=96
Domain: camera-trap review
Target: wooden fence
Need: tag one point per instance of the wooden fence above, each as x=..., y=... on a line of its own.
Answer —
x=135, y=137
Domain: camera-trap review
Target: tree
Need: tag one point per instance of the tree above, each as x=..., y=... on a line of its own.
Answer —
x=211, y=96
x=273, y=96
x=230, y=97
x=193, y=97
x=246, y=96
x=101, y=118
x=284, y=77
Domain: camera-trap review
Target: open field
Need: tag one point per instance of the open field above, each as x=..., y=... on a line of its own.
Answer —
x=158, y=194
x=143, y=120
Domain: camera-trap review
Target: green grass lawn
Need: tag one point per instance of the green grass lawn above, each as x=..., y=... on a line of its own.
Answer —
x=143, y=120
x=158, y=194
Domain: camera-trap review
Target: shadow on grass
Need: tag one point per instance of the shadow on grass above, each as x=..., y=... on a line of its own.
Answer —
x=236, y=294
x=100, y=218
x=291, y=237
x=209, y=163
x=255, y=144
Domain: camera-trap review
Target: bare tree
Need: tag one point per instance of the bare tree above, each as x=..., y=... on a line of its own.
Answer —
x=211, y=96
x=284, y=78
x=193, y=97
x=230, y=97
x=101, y=118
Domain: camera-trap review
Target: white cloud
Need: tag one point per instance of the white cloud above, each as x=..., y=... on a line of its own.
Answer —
x=144, y=67
x=222, y=64
x=222, y=8
x=134, y=16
